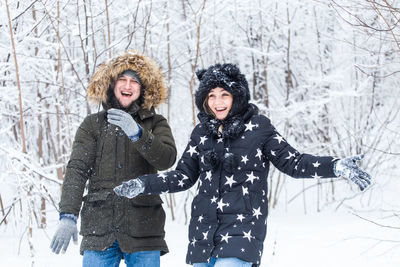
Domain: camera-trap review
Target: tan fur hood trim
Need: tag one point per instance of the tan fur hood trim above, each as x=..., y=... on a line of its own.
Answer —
x=149, y=72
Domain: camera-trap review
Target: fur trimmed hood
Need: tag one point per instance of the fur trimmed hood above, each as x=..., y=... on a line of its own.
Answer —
x=150, y=74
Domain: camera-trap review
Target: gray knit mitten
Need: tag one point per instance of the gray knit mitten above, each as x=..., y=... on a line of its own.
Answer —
x=125, y=121
x=130, y=189
x=66, y=229
x=349, y=169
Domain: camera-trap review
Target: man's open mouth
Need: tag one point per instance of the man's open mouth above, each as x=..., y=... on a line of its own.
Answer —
x=126, y=94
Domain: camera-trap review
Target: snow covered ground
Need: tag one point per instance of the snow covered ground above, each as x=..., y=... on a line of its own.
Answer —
x=296, y=239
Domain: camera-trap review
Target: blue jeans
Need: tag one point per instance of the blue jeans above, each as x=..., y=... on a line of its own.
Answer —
x=224, y=262
x=113, y=255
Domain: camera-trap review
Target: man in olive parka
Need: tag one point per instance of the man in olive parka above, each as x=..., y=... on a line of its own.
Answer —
x=125, y=140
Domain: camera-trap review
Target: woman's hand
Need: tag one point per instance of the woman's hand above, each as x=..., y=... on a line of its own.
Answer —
x=130, y=189
x=349, y=169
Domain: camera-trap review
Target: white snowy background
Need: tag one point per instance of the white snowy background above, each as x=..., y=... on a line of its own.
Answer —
x=325, y=72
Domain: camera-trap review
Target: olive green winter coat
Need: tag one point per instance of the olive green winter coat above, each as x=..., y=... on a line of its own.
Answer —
x=103, y=157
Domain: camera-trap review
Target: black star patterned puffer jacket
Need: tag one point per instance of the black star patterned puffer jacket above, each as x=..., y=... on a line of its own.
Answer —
x=229, y=211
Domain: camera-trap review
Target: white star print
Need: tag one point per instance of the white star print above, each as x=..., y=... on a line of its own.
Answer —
x=244, y=159
x=240, y=217
x=315, y=176
x=192, y=150
x=184, y=177
x=245, y=190
x=225, y=237
x=193, y=242
x=230, y=181
x=248, y=235
x=316, y=164
x=200, y=219
x=273, y=153
x=221, y=204
x=259, y=153
x=203, y=139
x=181, y=183
x=205, y=234
x=242, y=250
x=279, y=138
x=251, y=177
x=214, y=199
x=219, y=140
x=202, y=159
x=257, y=212
x=208, y=176
x=290, y=155
x=249, y=126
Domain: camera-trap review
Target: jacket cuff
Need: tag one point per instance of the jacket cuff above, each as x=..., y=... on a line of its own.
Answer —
x=69, y=216
x=329, y=171
x=145, y=141
x=137, y=136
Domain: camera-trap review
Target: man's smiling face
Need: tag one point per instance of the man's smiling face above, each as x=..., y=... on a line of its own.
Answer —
x=126, y=90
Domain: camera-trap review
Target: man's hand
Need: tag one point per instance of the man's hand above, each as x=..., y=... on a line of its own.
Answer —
x=349, y=169
x=125, y=121
x=66, y=229
x=130, y=189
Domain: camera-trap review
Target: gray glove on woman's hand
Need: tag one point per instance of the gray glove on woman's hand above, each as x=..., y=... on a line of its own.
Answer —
x=125, y=121
x=349, y=169
x=130, y=189
x=66, y=229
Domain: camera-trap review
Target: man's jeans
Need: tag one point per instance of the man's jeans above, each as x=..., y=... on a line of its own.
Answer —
x=224, y=262
x=113, y=255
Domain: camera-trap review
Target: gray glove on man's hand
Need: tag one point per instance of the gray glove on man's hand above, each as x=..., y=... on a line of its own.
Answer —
x=349, y=169
x=124, y=120
x=130, y=189
x=66, y=229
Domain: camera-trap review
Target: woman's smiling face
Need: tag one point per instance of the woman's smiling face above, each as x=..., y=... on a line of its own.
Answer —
x=220, y=102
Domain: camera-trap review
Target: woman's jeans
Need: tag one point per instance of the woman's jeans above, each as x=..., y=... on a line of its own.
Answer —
x=224, y=262
x=113, y=255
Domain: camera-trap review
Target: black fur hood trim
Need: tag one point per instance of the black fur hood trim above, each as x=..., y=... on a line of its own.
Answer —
x=231, y=127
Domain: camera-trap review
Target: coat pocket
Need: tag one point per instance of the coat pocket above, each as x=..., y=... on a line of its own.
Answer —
x=96, y=214
x=145, y=217
x=234, y=202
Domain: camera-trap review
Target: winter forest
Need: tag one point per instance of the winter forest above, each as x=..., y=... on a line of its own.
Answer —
x=326, y=72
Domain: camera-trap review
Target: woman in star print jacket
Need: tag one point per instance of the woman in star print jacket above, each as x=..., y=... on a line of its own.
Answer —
x=229, y=154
